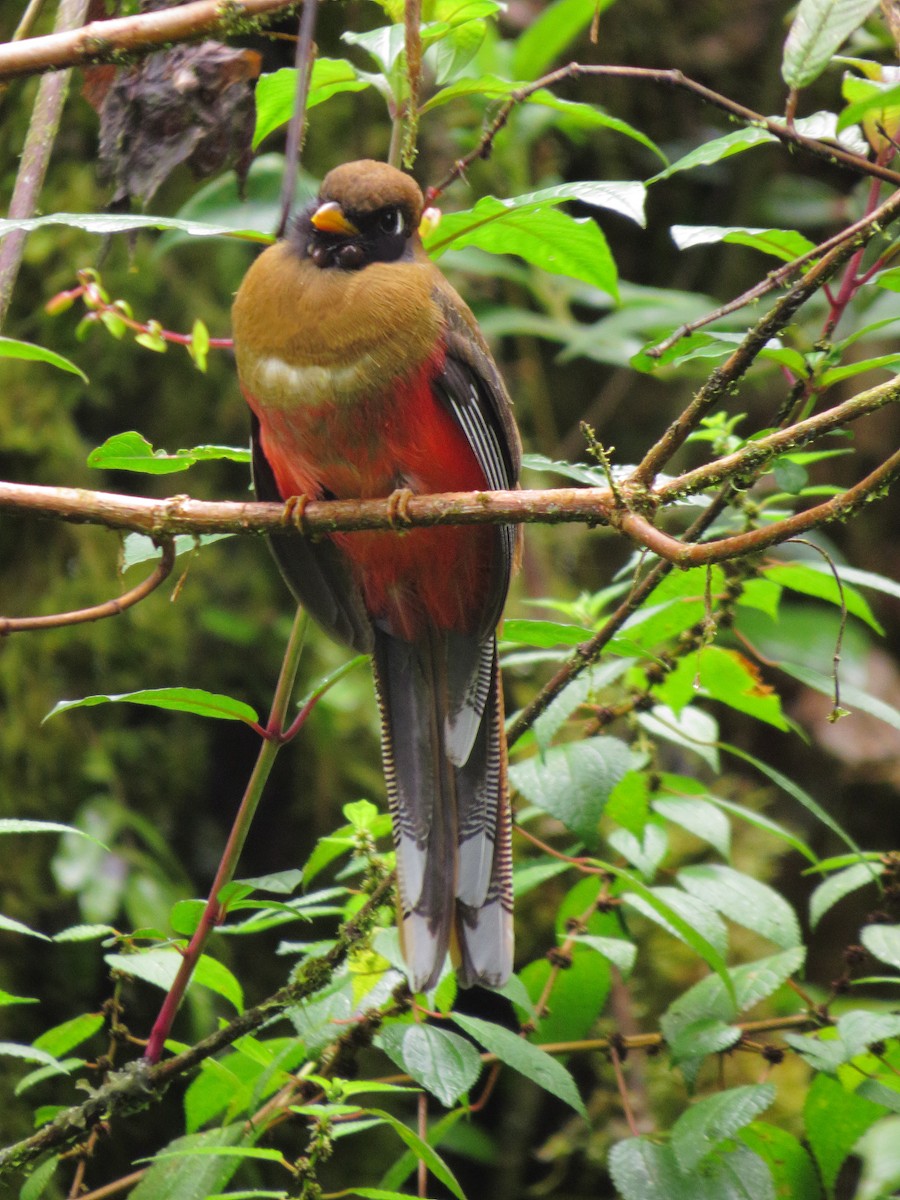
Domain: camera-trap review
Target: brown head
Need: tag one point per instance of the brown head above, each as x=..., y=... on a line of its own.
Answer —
x=366, y=212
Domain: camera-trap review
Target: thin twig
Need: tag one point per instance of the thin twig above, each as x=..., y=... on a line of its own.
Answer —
x=109, y=41
x=38, y=147
x=214, y=912
x=783, y=131
x=97, y=612
x=303, y=61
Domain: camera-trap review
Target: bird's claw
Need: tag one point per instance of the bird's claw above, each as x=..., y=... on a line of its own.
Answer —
x=295, y=513
x=398, y=508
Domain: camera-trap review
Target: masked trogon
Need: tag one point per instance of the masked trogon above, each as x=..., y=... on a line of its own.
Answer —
x=366, y=373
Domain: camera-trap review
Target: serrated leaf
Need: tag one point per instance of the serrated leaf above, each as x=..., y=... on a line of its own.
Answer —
x=84, y=933
x=818, y=30
x=710, y=1035
x=197, y=1165
x=12, y=348
x=39, y=1179
x=159, y=966
x=575, y=694
x=573, y=782
x=522, y=1056
x=444, y=1063
x=883, y=942
x=65, y=1037
x=174, y=699
x=803, y=578
x=643, y=1169
x=618, y=951
x=708, y=1122
x=744, y=900
x=699, y=817
x=836, y=887
x=698, y=915
x=692, y=729
x=751, y=983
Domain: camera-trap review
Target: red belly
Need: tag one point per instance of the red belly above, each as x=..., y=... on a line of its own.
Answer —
x=368, y=449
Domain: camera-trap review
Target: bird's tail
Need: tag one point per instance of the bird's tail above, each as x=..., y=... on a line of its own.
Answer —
x=450, y=808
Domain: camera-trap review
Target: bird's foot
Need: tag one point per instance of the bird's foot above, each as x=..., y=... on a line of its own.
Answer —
x=295, y=513
x=398, y=508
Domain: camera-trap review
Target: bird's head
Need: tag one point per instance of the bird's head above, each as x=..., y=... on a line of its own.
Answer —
x=366, y=212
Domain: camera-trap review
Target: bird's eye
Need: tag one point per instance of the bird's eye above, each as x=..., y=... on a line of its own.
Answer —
x=391, y=221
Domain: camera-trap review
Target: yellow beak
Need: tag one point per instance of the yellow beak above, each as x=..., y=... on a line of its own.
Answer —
x=329, y=218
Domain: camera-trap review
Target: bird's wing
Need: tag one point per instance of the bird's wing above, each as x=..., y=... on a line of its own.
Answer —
x=471, y=388
x=315, y=571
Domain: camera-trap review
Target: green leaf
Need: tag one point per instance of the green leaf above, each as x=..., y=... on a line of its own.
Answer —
x=646, y=1170
x=793, y=1172
x=30, y=1054
x=39, y=1179
x=793, y=789
x=579, y=993
x=708, y=1122
x=573, y=782
x=696, y=914
x=544, y=633
x=576, y=693
x=817, y=32
x=548, y=35
x=835, y=1119
x=803, y=578
x=851, y=697
x=7, y=998
x=836, y=887
x=84, y=933
x=643, y=1169
x=12, y=926
x=699, y=817
x=692, y=729
x=522, y=1056
x=132, y=452
x=715, y=150
x=726, y=676
x=645, y=852
x=20, y=825
x=65, y=1037
x=547, y=239
x=469, y=227
x=785, y=244
x=422, y=1150
x=709, y=999
x=191, y=1168
x=883, y=942
x=107, y=223
x=760, y=821
x=744, y=900
x=159, y=966
x=444, y=1063
x=11, y=348
x=138, y=548
x=174, y=699
x=276, y=92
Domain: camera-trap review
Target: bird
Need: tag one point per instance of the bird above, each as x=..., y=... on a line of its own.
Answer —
x=367, y=376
